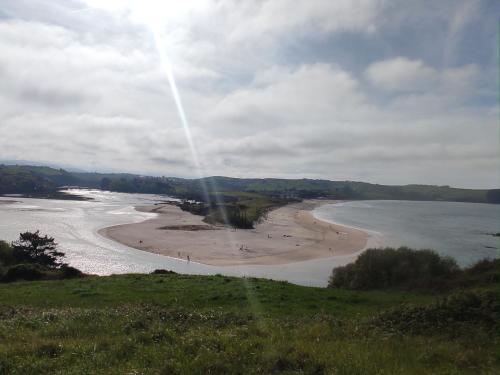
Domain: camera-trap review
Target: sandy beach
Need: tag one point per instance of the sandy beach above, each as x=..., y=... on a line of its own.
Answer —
x=288, y=234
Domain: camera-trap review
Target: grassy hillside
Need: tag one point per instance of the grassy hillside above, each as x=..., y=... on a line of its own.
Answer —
x=175, y=324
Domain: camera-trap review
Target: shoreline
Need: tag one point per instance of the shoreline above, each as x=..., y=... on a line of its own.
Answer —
x=288, y=234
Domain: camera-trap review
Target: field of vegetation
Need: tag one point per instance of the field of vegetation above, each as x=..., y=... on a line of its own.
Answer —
x=165, y=323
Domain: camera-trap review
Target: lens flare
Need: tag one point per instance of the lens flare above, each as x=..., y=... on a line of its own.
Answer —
x=167, y=69
x=158, y=17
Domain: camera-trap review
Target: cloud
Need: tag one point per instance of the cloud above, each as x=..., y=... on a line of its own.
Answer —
x=315, y=16
x=401, y=74
x=341, y=90
x=281, y=97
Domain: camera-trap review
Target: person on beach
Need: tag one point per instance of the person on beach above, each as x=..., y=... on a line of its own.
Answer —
x=188, y=258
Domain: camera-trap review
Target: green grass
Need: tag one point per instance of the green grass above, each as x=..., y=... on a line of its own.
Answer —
x=179, y=324
x=207, y=292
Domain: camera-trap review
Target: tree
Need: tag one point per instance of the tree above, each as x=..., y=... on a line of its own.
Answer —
x=31, y=247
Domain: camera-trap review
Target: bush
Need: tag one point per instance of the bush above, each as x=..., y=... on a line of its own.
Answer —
x=488, y=269
x=163, y=272
x=28, y=272
x=6, y=254
x=386, y=268
x=68, y=272
x=31, y=272
x=33, y=257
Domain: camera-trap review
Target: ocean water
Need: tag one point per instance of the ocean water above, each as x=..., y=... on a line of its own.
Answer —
x=460, y=230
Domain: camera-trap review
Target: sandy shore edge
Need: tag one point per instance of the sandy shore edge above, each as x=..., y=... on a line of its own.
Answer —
x=289, y=234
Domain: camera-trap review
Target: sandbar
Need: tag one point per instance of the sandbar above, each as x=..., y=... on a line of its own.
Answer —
x=288, y=234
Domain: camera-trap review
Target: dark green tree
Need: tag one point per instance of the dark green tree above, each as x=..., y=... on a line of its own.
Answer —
x=31, y=247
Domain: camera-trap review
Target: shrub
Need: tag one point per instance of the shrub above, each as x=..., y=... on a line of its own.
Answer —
x=33, y=257
x=403, y=267
x=68, y=272
x=27, y=272
x=484, y=272
x=163, y=272
x=488, y=267
x=6, y=255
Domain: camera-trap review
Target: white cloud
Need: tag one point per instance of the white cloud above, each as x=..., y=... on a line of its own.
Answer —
x=286, y=97
x=314, y=16
x=401, y=74
x=86, y=87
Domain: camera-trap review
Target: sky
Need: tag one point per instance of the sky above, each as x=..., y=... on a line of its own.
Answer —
x=390, y=92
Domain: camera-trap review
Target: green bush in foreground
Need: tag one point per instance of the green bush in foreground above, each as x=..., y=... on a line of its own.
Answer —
x=405, y=268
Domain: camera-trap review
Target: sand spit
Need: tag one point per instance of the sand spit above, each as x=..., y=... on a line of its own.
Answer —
x=288, y=234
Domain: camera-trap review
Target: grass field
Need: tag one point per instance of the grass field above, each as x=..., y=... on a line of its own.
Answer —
x=178, y=324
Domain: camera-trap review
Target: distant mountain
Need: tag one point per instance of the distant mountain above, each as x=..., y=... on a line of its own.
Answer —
x=17, y=179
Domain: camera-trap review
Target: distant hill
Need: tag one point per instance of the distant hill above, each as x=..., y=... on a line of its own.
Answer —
x=308, y=188
x=18, y=162
x=17, y=179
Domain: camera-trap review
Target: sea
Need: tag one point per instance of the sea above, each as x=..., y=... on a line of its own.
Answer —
x=463, y=231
